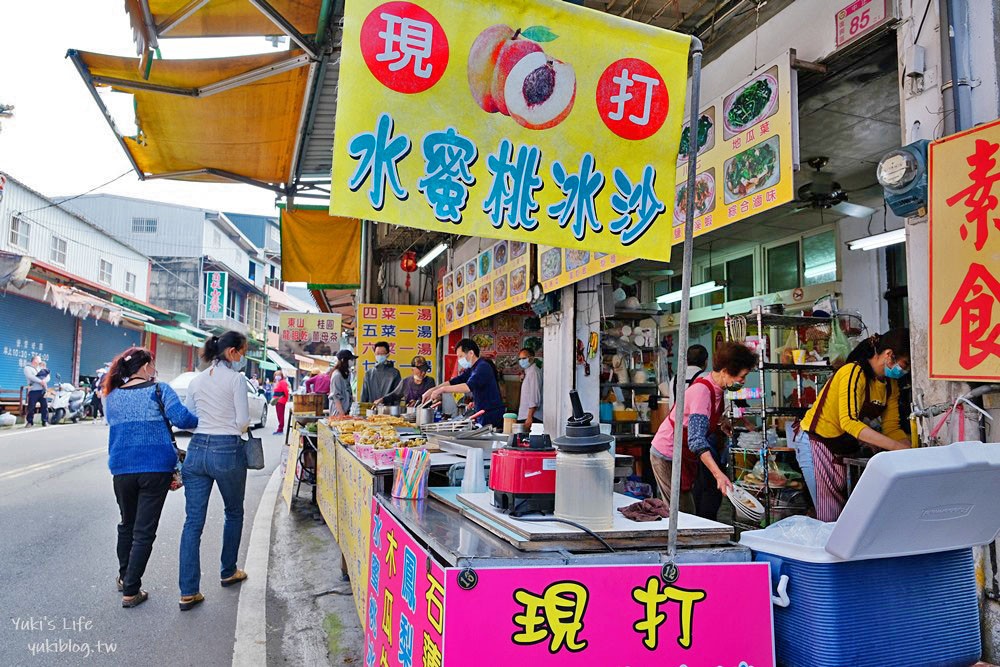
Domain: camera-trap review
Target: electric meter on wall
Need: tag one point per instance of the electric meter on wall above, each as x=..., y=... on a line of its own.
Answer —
x=903, y=175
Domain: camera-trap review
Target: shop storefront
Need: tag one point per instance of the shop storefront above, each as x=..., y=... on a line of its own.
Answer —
x=31, y=327
x=103, y=341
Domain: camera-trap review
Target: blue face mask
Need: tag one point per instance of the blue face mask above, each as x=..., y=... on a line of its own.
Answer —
x=894, y=372
x=380, y=358
x=238, y=366
x=464, y=363
x=524, y=363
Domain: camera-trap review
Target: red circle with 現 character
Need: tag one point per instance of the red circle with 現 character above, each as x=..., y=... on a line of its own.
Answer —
x=632, y=99
x=404, y=47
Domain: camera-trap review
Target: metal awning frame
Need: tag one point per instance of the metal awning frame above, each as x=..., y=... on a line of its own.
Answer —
x=229, y=83
x=311, y=46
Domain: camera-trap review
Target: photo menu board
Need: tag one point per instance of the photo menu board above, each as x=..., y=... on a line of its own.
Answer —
x=496, y=280
x=747, y=151
x=559, y=267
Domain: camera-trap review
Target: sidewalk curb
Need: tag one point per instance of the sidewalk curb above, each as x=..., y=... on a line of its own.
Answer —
x=250, y=647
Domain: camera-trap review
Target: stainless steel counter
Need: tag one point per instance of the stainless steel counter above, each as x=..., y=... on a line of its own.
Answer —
x=459, y=542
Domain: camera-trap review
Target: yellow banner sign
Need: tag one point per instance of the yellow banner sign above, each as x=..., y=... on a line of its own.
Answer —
x=540, y=122
x=496, y=280
x=308, y=334
x=354, y=523
x=965, y=256
x=559, y=267
x=409, y=330
x=746, y=152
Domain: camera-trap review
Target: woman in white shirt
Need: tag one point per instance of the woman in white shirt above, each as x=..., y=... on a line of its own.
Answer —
x=215, y=455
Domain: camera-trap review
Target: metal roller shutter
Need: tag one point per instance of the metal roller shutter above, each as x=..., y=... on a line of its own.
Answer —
x=171, y=360
x=29, y=327
x=102, y=341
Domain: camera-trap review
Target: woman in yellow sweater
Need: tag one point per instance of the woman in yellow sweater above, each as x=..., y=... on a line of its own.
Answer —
x=858, y=406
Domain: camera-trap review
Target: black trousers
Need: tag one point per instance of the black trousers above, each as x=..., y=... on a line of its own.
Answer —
x=140, y=501
x=36, y=397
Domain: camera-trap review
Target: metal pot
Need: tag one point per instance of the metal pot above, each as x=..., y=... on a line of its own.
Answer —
x=394, y=410
x=425, y=416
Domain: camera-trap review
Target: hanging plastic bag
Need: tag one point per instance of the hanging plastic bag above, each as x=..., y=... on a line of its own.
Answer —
x=840, y=347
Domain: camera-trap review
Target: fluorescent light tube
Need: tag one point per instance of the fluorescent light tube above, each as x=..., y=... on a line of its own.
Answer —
x=696, y=290
x=430, y=256
x=878, y=240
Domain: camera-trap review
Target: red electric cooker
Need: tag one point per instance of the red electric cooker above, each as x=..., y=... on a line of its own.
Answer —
x=523, y=475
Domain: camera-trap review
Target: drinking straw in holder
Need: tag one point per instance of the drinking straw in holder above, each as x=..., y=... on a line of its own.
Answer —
x=411, y=470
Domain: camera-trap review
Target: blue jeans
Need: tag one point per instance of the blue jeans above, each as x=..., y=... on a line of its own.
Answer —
x=219, y=459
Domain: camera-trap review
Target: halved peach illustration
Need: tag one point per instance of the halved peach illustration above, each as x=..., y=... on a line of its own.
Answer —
x=483, y=58
x=540, y=92
x=511, y=74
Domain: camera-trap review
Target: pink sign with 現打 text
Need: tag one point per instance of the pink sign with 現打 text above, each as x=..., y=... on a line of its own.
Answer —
x=717, y=615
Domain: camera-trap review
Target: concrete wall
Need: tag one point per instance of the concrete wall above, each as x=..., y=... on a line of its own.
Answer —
x=176, y=285
x=926, y=114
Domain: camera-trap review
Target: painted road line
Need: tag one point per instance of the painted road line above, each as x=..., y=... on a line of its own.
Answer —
x=250, y=647
x=46, y=465
x=34, y=429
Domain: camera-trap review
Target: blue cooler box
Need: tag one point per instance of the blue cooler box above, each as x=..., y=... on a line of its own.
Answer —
x=894, y=584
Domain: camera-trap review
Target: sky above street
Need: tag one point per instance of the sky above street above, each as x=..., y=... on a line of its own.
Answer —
x=58, y=141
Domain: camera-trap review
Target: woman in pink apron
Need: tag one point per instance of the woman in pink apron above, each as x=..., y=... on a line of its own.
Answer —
x=703, y=416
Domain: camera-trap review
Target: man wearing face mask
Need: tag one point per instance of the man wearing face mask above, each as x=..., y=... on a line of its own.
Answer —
x=530, y=409
x=382, y=379
x=477, y=377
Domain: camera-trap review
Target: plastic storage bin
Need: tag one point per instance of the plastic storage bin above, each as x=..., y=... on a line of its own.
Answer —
x=894, y=585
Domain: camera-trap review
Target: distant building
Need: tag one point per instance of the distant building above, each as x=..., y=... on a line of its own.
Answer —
x=72, y=293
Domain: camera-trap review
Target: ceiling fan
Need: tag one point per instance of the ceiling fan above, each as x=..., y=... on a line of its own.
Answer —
x=824, y=193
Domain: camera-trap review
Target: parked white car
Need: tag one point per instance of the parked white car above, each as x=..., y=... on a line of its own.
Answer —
x=258, y=402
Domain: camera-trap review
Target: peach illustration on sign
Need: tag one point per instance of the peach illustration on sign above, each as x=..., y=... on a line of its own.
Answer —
x=511, y=74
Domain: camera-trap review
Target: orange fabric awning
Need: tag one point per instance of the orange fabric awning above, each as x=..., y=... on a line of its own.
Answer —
x=319, y=249
x=226, y=18
x=196, y=115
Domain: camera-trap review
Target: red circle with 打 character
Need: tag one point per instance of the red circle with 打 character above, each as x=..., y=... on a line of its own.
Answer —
x=632, y=99
x=404, y=47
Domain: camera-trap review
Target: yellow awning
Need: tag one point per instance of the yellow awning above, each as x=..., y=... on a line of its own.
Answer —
x=214, y=120
x=319, y=249
x=224, y=18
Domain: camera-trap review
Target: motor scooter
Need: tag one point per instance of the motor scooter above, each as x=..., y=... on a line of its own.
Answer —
x=65, y=402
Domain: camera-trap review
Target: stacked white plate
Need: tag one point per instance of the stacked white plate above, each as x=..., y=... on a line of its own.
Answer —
x=745, y=504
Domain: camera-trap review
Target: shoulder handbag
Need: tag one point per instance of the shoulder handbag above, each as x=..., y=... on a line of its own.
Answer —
x=254, y=447
x=177, y=481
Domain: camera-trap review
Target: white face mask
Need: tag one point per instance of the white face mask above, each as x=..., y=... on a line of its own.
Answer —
x=524, y=363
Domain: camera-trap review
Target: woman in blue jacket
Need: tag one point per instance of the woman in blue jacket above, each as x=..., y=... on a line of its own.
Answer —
x=142, y=458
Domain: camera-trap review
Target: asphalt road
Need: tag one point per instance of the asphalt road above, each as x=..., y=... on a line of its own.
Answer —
x=58, y=519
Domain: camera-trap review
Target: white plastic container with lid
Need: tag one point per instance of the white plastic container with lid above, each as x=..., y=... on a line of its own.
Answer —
x=585, y=472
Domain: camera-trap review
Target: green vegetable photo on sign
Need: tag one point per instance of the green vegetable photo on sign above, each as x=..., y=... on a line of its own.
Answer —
x=750, y=104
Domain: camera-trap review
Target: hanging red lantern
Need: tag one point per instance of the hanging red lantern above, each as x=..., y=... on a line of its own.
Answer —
x=409, y=264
